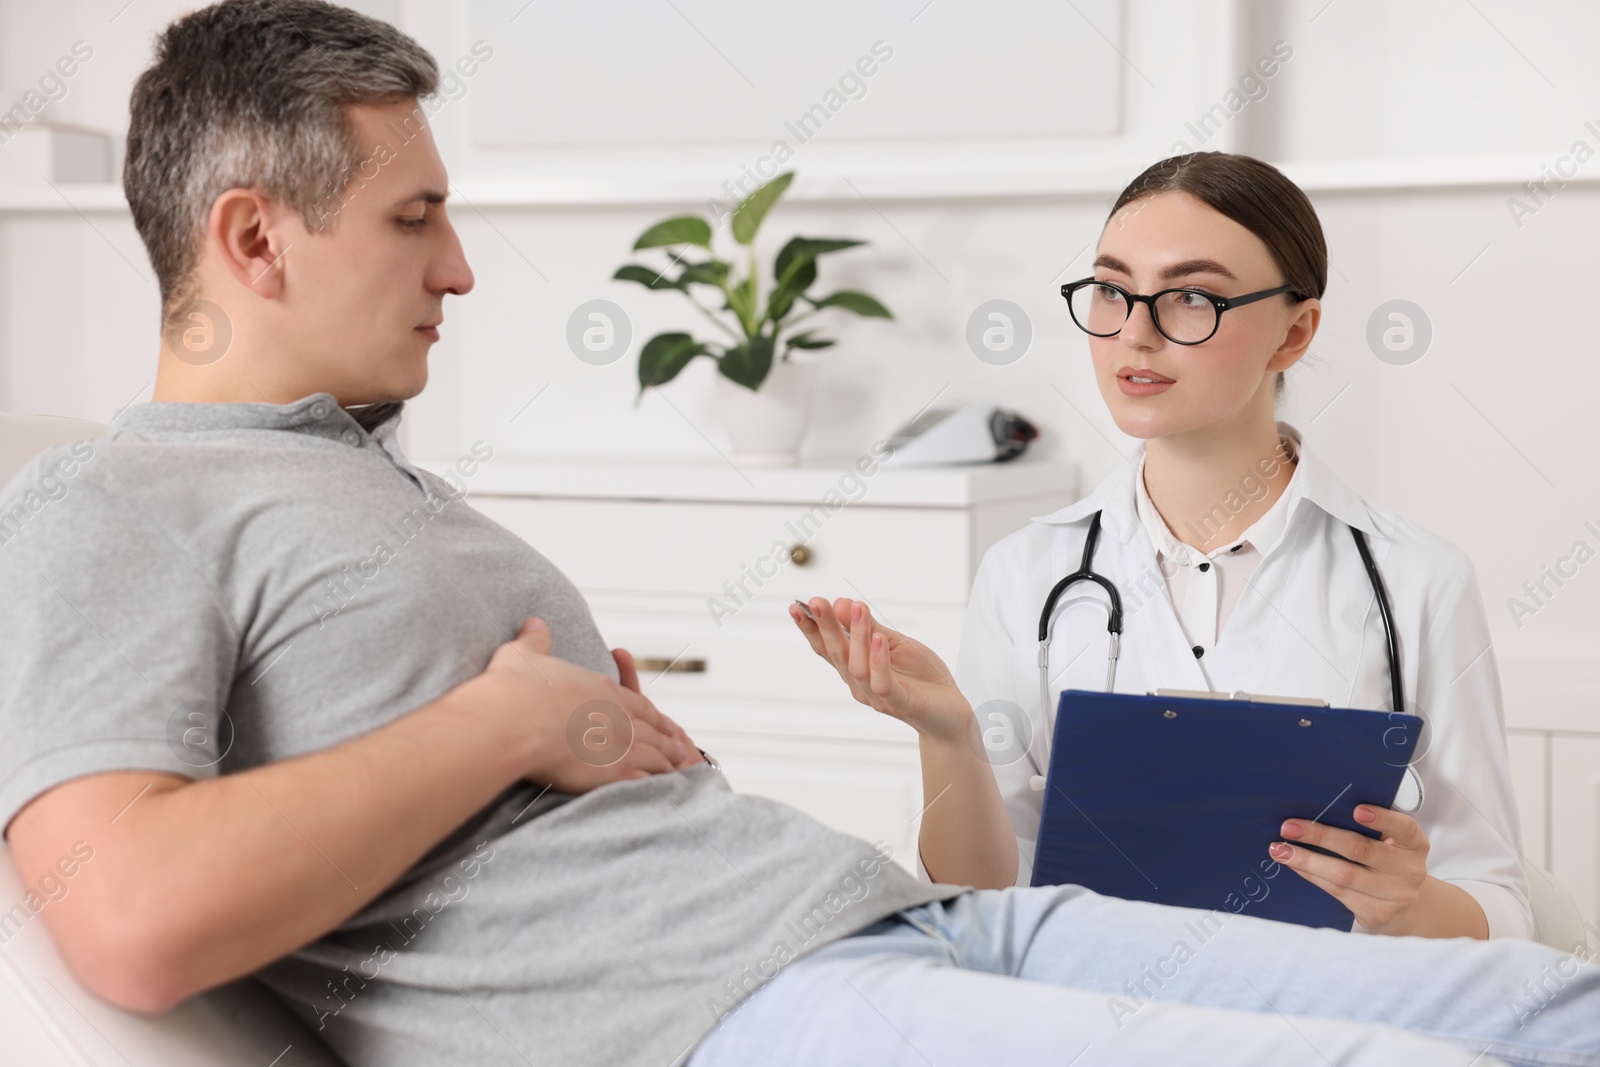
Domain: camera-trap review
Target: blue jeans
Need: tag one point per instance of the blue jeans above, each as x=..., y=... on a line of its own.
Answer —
x=1060, y=975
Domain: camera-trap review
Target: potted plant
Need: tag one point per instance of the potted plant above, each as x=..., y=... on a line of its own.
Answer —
x=761, y=338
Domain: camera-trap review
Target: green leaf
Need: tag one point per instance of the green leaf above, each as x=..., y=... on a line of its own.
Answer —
x=712, y=272
x=807, y=341
x=748, y=363
x=796, y=281
x=664, y=355
x=748, y=215
x=860, y=303
x=739, y=302
x=684, y=230
x=779, y=304
x=796, y=268
x=646, y=276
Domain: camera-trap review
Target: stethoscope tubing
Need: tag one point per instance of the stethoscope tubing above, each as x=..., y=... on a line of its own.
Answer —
x=1087, y=573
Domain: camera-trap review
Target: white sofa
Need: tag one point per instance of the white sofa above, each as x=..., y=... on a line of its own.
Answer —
x=48, y=1020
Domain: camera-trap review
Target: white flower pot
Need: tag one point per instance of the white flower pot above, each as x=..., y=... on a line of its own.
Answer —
x=766, y=427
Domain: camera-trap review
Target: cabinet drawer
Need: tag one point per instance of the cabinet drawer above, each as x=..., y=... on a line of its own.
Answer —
x=736, y=551
x=756, y=653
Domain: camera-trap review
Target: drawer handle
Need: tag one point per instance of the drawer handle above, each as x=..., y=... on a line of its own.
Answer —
x=668, y=666
x=800, y=555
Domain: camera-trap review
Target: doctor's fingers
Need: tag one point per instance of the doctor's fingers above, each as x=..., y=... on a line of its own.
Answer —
x=1373, y=909
x=861, y=629
x=1397, y=828
x=808, y=627
x=1395, y=884
x=864, y=629
x=835, y=638
x=816, y=630
x=844, y=608
x=869, y=655
x=880, y=677
x=838, y=656
x=1407, y=845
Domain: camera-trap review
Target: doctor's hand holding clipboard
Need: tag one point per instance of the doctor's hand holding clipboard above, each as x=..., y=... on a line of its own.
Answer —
x=1223, y=556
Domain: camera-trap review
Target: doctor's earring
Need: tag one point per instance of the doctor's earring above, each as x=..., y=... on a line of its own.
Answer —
x=1001, y=732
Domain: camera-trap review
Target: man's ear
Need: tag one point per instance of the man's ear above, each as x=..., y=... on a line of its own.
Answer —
x=243, y=235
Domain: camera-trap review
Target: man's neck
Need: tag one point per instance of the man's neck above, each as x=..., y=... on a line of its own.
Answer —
x=237, y=377
x=180, y=383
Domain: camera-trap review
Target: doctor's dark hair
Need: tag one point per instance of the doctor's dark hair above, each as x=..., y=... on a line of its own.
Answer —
x=252, y=94
x=1258, y=197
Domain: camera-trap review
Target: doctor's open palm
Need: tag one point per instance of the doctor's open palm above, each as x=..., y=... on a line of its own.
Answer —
x=885, y=669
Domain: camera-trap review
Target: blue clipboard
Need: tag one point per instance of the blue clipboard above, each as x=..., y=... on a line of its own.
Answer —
x=1174, y=799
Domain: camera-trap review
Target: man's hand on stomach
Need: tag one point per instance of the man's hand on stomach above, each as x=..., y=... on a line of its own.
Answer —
x=590, y=730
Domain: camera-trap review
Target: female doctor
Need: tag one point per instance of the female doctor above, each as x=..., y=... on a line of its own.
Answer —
x=1235, y=553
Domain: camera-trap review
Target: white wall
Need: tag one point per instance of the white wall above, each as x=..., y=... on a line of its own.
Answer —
x=1411, y=125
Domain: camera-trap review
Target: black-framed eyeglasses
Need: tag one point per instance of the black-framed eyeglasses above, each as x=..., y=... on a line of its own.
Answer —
x=1184, y=316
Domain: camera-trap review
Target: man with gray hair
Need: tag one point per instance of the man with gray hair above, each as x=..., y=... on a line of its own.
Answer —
x=443, y=830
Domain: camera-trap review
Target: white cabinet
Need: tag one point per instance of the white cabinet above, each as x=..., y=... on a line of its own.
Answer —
x=691, y=568
x=1530, y=772
x=1575, y=818
x=1554, y=739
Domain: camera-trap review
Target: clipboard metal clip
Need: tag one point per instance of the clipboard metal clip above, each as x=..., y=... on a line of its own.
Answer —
x=1410, y=795
x=1239, y=694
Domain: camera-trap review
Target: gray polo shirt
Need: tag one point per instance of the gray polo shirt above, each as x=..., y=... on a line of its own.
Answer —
x=213, y=587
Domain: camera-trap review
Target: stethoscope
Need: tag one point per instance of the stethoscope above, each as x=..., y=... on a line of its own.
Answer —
x=1086, y=573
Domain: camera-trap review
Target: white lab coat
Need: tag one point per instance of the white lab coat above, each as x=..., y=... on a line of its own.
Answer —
x=1308, y=626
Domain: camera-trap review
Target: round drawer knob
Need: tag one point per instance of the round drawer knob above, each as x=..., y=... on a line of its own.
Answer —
x=800, y=555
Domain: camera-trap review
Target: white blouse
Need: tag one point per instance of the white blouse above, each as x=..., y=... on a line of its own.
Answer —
x=1204, y=586
x=1305, y=623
